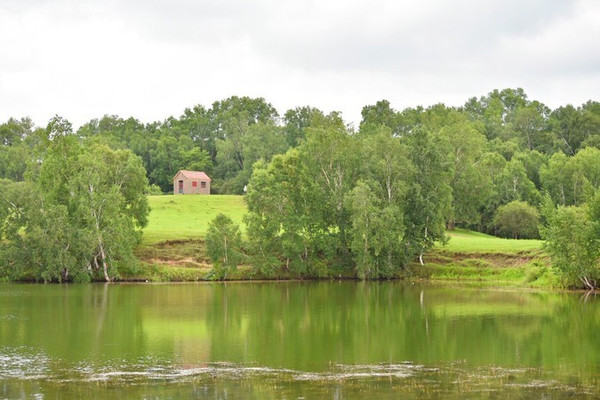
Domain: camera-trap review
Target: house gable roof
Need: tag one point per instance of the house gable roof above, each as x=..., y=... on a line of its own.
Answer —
x=193, y=174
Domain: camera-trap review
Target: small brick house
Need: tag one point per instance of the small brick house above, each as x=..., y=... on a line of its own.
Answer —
x=191, y=182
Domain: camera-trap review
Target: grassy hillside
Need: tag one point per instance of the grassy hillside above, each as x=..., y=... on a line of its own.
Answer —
x=477, y=258
x=462, y=241
x=187, y=216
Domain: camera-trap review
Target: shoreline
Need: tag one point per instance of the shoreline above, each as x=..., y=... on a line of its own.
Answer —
x=186, y=261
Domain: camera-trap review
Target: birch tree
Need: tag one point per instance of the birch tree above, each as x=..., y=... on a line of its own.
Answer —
x=83, y=210
x=223, y=244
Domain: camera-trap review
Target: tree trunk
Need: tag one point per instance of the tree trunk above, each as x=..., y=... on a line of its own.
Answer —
x=104, y=264
x=587, y=283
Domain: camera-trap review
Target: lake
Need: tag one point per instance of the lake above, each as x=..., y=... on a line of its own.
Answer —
x=296, y=340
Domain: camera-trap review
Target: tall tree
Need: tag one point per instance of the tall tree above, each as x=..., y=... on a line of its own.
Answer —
x=380, y=113
x=567, y=126
x=530, y=124
x=223, y=245
x=471, y=187
x=330, y=153
x=296, y=121
x=571, y=234
x=429, y=195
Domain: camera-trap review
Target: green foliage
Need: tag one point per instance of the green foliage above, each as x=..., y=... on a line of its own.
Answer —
x=534, y=272
x=572, y=180
x=223, y=246
x=377, y=205
x=296, y=122
x=472, y=188
x=282, y=220
x=380, y=114
x=429, y=197
x=572, y=240
x=514, y=184
x=319, y=206
x=153, y=190
x=297, y=203
x=80, y=215
x=518, y=220
x=376, y=232
x=569, y=128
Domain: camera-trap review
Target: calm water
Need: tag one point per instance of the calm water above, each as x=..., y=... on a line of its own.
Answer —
x=329, y=340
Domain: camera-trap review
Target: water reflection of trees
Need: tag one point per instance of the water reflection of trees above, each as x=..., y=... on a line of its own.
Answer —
x=310, y=325
x=301, y=326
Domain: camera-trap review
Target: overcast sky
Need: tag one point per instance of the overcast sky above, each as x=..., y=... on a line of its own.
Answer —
x=151, y=59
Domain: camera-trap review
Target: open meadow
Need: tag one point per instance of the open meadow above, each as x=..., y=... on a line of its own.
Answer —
x=463, y=241
x=178, y=217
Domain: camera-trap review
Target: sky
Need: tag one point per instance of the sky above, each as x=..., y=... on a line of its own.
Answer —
x=151, y=59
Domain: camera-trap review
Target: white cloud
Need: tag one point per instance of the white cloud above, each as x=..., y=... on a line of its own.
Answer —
x=151, y=59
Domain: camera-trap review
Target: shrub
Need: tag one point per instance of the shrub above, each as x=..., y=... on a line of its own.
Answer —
x=518, y=220
x=223, y=245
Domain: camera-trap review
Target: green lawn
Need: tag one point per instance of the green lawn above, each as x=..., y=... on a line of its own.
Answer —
x=187, y=216
x=462, y=241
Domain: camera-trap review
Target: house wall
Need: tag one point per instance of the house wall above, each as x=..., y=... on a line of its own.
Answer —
x=188, y=187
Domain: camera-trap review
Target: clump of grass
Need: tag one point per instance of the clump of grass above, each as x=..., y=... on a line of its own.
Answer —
x=174, y=250
x=540, y=274
x=162, y=273
x=477, y=263
x=534, y=271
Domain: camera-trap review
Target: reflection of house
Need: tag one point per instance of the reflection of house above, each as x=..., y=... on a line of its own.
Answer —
x=191, y=182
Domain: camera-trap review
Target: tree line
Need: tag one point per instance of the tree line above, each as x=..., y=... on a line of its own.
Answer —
x=324, y=194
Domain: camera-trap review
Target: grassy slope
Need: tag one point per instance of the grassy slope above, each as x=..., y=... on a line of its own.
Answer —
x=474, y=242
x=473, y=257
x=173, y=247
x=187, y=216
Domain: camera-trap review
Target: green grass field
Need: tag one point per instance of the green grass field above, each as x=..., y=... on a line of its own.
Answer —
x=462, y=241
x=187, y=217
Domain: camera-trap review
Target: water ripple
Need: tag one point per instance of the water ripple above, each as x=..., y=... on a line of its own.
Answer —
x=22, y=364
x=26, y=365
x=132, y=373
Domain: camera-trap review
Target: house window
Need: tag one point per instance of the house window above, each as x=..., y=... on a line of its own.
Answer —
x=203, y=185
x=194, y=184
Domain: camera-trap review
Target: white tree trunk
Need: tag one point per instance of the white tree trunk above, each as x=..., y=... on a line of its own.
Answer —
x=104, y=264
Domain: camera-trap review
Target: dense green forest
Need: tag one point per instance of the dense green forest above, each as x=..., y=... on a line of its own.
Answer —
x=322, y=192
